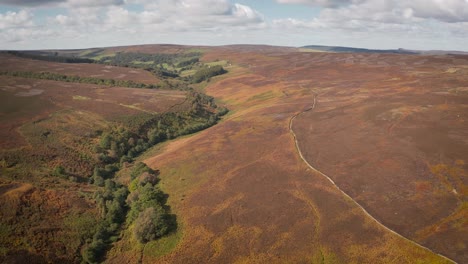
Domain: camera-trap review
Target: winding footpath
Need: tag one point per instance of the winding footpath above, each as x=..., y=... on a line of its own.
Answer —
x=345, y=194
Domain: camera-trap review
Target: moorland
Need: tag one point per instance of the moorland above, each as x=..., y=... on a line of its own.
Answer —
x=233, y=154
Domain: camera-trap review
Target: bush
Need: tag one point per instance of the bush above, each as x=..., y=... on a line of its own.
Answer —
x=59, y=171
x=147, y=177
x=98, y=180
x=93, y=252
x=208, y=72
x=151, y=224
x=139, y=169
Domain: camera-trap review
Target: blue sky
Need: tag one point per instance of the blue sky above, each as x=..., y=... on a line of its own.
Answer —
x=379, y=24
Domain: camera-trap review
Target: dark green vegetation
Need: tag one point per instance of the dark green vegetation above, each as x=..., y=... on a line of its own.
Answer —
x=167, y=66
x=249, y=189
x=207, y=72
x=112, y=207
x=163, y=65
x=355, y=50
x=82, y=152
x=54, y=57
x=148, y=209
x=142, y=203
x=117, y=148
x=132, y=135
x=78, y=79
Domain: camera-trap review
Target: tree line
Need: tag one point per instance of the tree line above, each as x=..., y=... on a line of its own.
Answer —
x=78, y=79
x=207, y=72
x=142, y=205
x=153, y=63
x=50, y=57
x=136, y=59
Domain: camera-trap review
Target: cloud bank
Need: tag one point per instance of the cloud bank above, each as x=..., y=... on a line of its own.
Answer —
x=120, y=22
x=407, y=19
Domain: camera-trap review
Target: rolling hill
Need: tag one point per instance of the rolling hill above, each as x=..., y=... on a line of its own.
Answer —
x=349, y=156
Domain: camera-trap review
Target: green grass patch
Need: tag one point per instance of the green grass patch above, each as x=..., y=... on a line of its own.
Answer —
x=135, y=107
x=164, y=245
x=168, y=67
x=194, y=50
x=143, y=62
x=77, y=79
x=100, y=56
x=219, y=62
x=187, y=73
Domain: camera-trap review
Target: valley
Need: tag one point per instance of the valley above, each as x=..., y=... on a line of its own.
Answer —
x=321, y=158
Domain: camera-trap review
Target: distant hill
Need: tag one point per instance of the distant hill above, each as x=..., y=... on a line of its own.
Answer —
x=439, y=52
x=338, y=49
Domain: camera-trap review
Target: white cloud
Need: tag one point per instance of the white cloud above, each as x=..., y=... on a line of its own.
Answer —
x=94, y=3
x=117, y=22
x=119, y=17
x=203, y=14
x=16, y=19
x=416, y=17
x=73, y=3
x=165, y=16
x=109, y=19
x=63, y=21
x=324, y=3
x=151, y=17
x=22, y=34
x=397, y=22
x=30, y=2
x=19, y=26
x=443, y=10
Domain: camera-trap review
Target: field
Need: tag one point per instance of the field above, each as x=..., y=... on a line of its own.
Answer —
x=389, y=130
x=398, y=148
x=42, y=98
x=52, y=133
x=245, y=196
x=13, y=63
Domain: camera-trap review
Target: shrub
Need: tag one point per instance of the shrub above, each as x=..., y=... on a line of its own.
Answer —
x=151, y=224
x=59, y=171
x=139, y=169
x=208, y=72
x=93, y=252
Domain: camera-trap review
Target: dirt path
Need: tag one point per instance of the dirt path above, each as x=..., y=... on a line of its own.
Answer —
x=345, y=194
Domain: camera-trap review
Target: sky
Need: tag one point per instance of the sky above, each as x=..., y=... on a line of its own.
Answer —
x=376, y=24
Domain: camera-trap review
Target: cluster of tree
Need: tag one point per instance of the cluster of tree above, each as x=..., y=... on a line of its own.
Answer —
x=54, y=57
x=133, y=59
x=206, y=73
x=155, y=63
x=136, y=134
x=123, y=145
x=78, y=79
x=111, y=202
x=146, y=202
x=162, y=72
x=148, y=209
x=143, y=204
x=189, y=62
x=175, y=84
